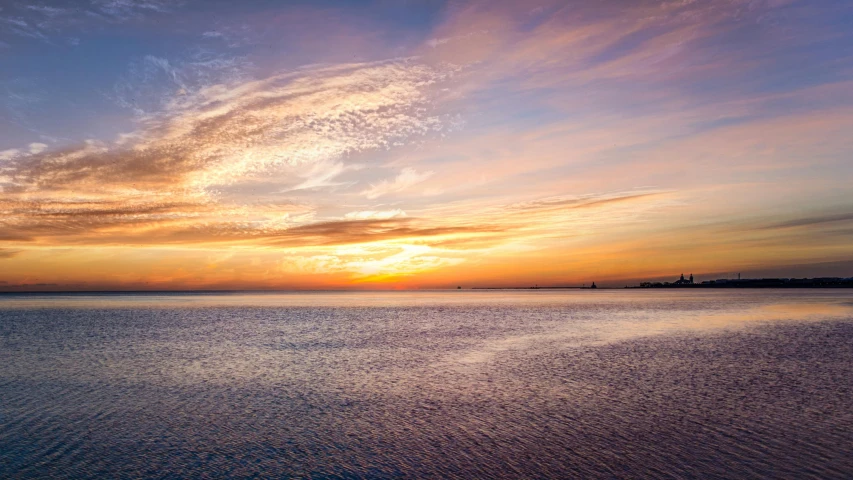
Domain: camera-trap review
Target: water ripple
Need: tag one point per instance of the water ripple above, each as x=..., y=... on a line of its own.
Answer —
x=628, y=385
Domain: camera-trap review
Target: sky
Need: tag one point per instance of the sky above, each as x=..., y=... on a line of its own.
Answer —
x=413, y=144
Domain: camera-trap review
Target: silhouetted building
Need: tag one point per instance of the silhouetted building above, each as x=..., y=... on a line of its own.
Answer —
x=593, y=285
x=820, y=282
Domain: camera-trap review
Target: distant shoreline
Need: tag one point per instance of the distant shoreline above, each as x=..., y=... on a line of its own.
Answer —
x=675, y=287
x=748, y=283
x=818, y=282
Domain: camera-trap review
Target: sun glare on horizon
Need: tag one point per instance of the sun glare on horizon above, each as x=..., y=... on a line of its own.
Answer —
x=208, y=145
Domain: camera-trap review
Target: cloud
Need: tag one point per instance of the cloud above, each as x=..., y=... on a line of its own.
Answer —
x=20, y=98
x=813, y=221
x=6, y=253
x=37, y=148
x=9, y=154
x=408, y=177
x=127, y=9
x=298, y=128
x=566, y=110
x=51, y=18
x=144, y=221
x=375, y=214
x=223, y=132
x=410, y=260
x=21, y=27
x=321, y=175
x=434, y=42
x=583, y=201
x=152, y=83
x=370, y=263
x=48, y=11
x=370, y=230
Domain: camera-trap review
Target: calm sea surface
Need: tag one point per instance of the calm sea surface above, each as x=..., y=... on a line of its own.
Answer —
x=458, y=384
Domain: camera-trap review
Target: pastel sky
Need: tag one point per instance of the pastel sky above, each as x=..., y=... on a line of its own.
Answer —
x=159, y=144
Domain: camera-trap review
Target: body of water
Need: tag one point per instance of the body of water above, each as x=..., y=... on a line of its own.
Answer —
x=457, y=384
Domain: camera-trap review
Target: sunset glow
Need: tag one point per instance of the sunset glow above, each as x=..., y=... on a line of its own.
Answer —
x=422, y=144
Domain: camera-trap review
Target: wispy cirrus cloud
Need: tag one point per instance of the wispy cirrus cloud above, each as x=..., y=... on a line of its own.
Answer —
x=298, y=127
x=370, y=230
x=50, y=19
x=407, y=178
x=224, y=132
x=375, y=214
x=125, y=9
x=813, y=221
x=583, y=201
x=151, y=84
x=20, y=96
x=560, y=112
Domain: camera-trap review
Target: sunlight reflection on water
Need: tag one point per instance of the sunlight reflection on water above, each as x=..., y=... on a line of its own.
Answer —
x=444, y=384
